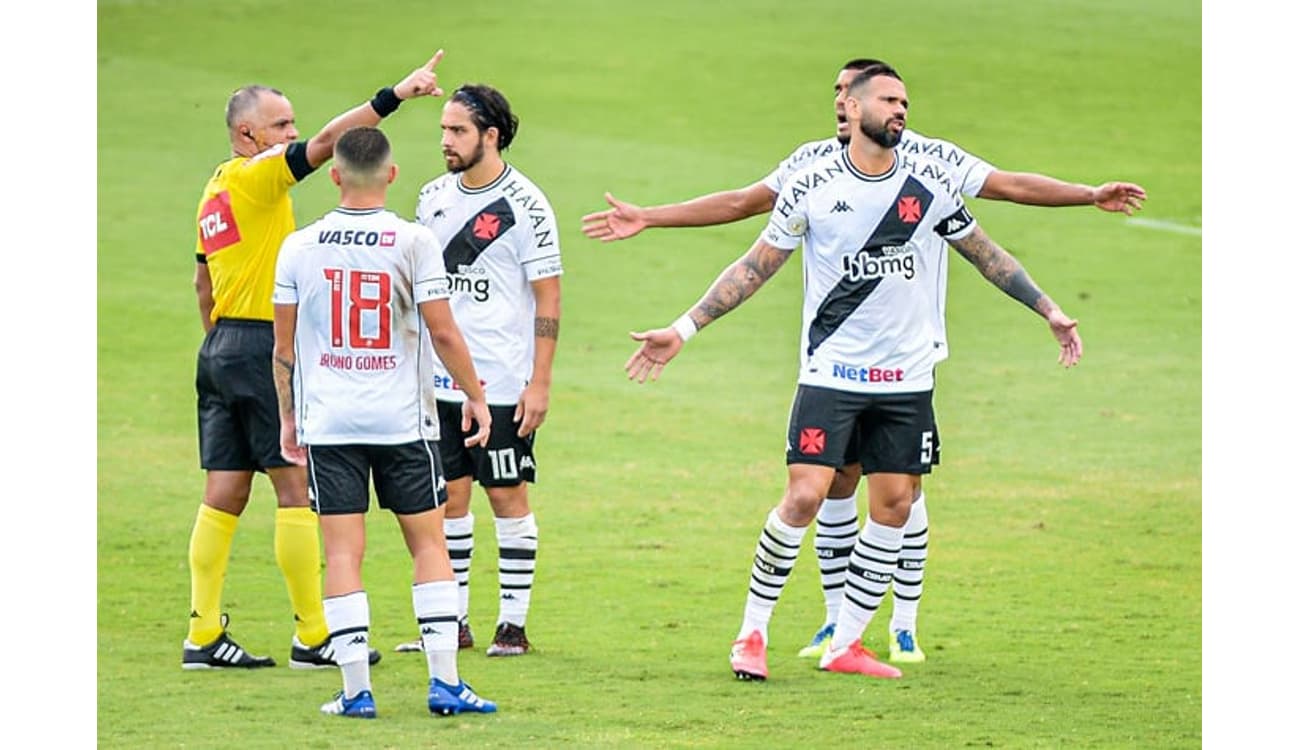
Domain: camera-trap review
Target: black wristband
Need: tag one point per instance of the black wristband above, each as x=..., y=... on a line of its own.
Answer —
x=385, y=101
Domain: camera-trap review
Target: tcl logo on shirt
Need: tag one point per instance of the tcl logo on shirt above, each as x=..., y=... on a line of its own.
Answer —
x=217, y=227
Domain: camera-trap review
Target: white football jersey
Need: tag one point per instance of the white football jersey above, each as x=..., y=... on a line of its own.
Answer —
x=968, y=170
x=496, y=241
x=870, y=244
x=364, y=370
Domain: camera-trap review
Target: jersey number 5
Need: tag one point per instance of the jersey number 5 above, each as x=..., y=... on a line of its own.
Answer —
x=369, y=309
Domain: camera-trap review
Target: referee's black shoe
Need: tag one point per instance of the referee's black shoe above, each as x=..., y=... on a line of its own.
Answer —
x=318, y=657
x=222, y=653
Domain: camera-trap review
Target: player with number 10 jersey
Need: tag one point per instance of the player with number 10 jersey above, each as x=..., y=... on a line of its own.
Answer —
x=496, y=241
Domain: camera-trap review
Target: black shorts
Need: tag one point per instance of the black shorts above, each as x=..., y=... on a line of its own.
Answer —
x=894, y=433
x=408, y=477
x=506, y=462
x=239, y=418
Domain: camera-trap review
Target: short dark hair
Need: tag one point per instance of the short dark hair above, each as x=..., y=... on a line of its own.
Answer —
x=861, y=63
x=362, y=150
x=488, y=108
x=871, y=71
x=243, y=99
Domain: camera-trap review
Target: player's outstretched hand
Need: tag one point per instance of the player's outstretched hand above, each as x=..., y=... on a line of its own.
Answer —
x=289, y=447
x=422, y=81
x=534, y=402
x=618, y=223
x=470, y=413
x=658, y=347
x=1119, y=197
x=1066, y=331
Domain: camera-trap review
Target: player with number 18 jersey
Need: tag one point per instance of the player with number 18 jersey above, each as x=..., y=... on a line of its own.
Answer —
x=366, y=375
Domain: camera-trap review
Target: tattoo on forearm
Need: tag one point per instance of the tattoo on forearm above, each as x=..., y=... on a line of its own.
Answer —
x=283, y=390
x=546, y=328
x=1000, y=268
x=739, y=282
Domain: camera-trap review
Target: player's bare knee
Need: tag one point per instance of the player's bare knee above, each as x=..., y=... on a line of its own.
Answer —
x=509, y=502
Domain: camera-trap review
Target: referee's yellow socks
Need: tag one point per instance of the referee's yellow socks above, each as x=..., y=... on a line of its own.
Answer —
x=297, y=552
x=209, y=552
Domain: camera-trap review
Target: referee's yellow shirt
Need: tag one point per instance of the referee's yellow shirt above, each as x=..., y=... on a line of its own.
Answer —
x=244, y=215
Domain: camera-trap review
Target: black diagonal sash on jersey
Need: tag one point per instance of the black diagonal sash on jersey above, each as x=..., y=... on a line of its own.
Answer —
x=482, y=229
x=912, y=201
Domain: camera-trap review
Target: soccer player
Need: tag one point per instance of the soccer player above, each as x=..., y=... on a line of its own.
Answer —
x=837, y=520
x=354, y=383
x=502, y=253
x=244, y=215
x=873, y=223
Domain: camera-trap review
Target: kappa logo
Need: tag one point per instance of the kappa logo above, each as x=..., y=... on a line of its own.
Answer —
x=812, y=441
x=840, y=207
x=439, y=214
x=507, y=597
x=357, y=639
x=527, y=463
x=909, y=209
x=430, y=630
x=486, y=226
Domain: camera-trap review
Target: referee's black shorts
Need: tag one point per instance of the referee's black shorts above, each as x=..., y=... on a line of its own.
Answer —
x=239, y=419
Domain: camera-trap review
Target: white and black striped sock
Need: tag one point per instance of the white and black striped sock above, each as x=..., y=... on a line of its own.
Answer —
x=910, y=573
x=434, y=604
x=837, y=530
x=348, y=618
x=460, y=546
x=517, y=564
x=774, y=558
x=871, y=569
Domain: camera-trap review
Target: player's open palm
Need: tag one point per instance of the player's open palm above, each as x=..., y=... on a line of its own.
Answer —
x=618, y=223
x=1066, y=331
x=422, y=81
x=657, y=348
x=1120, y=197
x=534, y=402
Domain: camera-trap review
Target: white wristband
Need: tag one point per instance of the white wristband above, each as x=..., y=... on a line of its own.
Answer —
x=685, y=327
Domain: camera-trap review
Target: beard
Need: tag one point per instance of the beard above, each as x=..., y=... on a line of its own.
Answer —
x=881, y=135
x=457, y=163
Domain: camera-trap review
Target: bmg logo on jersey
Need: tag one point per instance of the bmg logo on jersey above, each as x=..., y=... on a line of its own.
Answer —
x=888, y=260
x=480, y=288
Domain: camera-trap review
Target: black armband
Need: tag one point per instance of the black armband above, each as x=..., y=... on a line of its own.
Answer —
x=385, y=101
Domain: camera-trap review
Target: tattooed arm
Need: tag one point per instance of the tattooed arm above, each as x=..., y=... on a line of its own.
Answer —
x=1005, y=272
x=535, y=401
x=282, y=362
x=737, y=283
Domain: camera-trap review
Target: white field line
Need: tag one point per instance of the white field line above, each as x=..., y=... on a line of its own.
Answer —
x=1166, y=226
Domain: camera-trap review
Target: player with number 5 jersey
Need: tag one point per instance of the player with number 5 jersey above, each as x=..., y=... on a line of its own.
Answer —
x=501, y=249
x=871, y=227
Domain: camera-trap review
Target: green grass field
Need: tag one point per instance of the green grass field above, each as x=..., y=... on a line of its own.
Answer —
x=1063, y=594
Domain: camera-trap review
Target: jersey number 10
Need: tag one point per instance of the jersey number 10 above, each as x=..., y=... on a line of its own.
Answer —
x=368, y=299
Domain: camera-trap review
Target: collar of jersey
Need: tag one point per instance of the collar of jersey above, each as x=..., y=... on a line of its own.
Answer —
x=475, y=191
x=858, y=173
x=357, y=211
